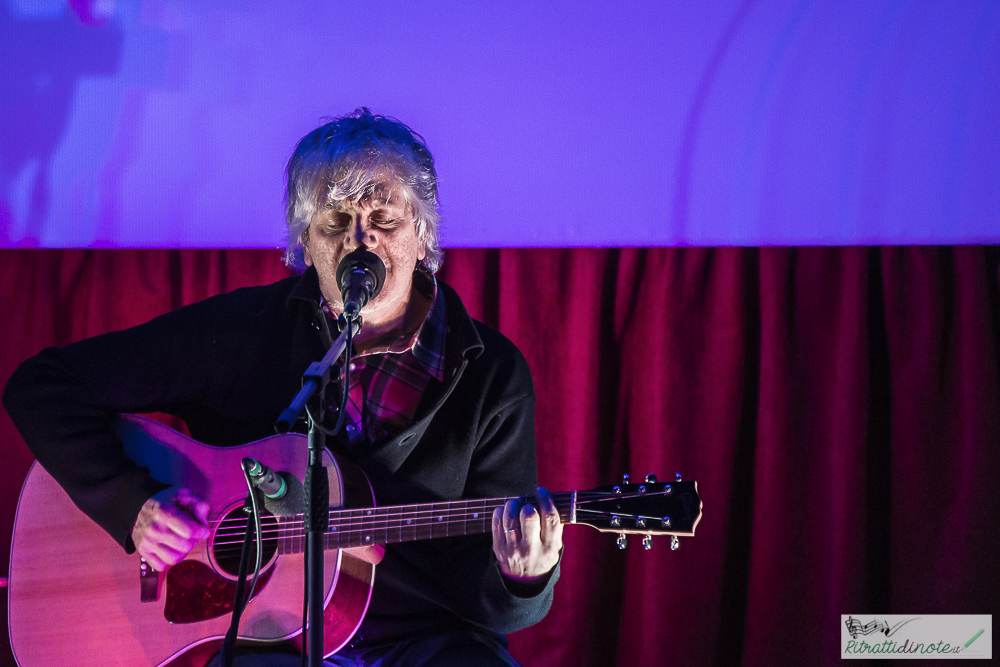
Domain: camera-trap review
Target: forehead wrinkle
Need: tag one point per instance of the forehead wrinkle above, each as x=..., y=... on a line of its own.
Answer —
x=368, y=202
x=364, y=187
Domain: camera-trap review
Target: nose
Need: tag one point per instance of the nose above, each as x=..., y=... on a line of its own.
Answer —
x=361, y=232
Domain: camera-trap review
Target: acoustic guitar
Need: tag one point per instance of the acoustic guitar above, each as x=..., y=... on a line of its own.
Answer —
x=76, y=598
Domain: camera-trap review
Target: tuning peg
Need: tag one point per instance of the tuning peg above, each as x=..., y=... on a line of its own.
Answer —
x=647, y=542
x=678, y=476
x=622, y=541
x=617, y=489
x=640, y=523
x=625, y=478
x=642, y=488
x=665, y=522
x=675, y=544
x=650, y=478
x=615, y=521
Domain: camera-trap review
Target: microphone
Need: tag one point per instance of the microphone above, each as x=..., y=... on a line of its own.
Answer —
x=360, y=276
x=270, y=484
x=283, y=492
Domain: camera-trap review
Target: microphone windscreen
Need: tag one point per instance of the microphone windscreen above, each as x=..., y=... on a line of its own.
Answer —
x=364, y=259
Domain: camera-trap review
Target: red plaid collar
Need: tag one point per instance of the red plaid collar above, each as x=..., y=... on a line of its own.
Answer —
x=427, y=341
x=387, y=382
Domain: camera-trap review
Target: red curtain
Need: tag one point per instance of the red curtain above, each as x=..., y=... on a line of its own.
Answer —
x=839, y=407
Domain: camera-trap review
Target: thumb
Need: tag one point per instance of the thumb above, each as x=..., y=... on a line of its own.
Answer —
x=194, y=506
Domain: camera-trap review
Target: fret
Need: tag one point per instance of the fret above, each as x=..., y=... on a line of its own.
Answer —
x=381, y=529
x=444, y=519
x=424, y=522
x=281, y=541
x=297, y=537
x=430, y=520
x=291, y=534
x=358, y=528
x=348, y=528
x=459, y=518
x=367, y=528
x=392, y=525
x=336, y=528
x=481, y=516
x=408, y=524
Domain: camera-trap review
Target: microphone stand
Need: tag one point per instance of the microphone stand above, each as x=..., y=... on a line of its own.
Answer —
x=317, y=507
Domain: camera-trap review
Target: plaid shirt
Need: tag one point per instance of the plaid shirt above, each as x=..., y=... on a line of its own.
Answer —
x=387, y=381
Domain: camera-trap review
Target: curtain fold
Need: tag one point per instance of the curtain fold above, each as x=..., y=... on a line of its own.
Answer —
x=839, y=408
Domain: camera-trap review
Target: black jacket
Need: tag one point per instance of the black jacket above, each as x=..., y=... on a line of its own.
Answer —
x=229, y=365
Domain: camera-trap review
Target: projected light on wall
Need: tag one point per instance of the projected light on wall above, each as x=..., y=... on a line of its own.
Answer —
x=167, y=123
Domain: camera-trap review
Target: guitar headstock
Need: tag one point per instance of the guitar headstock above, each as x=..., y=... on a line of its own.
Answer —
x=648, y=508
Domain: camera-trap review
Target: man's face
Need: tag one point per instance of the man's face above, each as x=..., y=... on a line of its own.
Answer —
x=384, y=223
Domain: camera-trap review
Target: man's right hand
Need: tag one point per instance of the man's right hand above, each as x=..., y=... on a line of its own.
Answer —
x=169, y=526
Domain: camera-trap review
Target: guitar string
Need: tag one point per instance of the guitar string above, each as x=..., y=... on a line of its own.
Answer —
x=354, y=537
x=404, y=511
x=340, y=516
x=367, y=522
x=356, y=534
x=354, y=526
x=347, y=519
x=407, y=510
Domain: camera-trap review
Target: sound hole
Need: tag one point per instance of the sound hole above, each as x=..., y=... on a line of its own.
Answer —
x=228, y=542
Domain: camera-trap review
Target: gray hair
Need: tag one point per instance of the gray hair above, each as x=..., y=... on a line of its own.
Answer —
x=349, y=158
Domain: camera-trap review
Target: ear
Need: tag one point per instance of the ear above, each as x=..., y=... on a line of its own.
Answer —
x=421, y=243
x=306, y=255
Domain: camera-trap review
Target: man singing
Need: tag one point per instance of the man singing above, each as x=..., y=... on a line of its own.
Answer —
x=440, y=407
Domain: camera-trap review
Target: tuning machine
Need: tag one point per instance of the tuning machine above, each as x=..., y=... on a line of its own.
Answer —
x=622, y=541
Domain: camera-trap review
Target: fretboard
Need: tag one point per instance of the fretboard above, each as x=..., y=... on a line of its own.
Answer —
x=406, y=523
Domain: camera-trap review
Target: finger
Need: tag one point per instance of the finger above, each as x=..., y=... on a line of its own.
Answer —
x=201, y=509
x=498, y=534
x=167, y=555
x=195, y=508
x=531, y=525
x=154, y=561
x=181, y=523
x=511, y=520
x=551, y=525
x=510, y=514
x=159, y=556
x=161, y=536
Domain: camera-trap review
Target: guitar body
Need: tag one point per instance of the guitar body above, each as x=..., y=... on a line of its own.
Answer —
x=75, y=597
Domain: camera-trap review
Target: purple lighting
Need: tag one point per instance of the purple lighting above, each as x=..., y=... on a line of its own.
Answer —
x=168, y=124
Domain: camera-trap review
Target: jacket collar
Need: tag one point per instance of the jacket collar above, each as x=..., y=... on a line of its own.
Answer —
x=463, y=341
x=305, y=290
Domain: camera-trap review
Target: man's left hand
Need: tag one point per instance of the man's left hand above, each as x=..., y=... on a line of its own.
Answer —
x=526, y=540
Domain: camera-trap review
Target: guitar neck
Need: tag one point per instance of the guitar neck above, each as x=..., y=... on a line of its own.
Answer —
x=409, y=523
